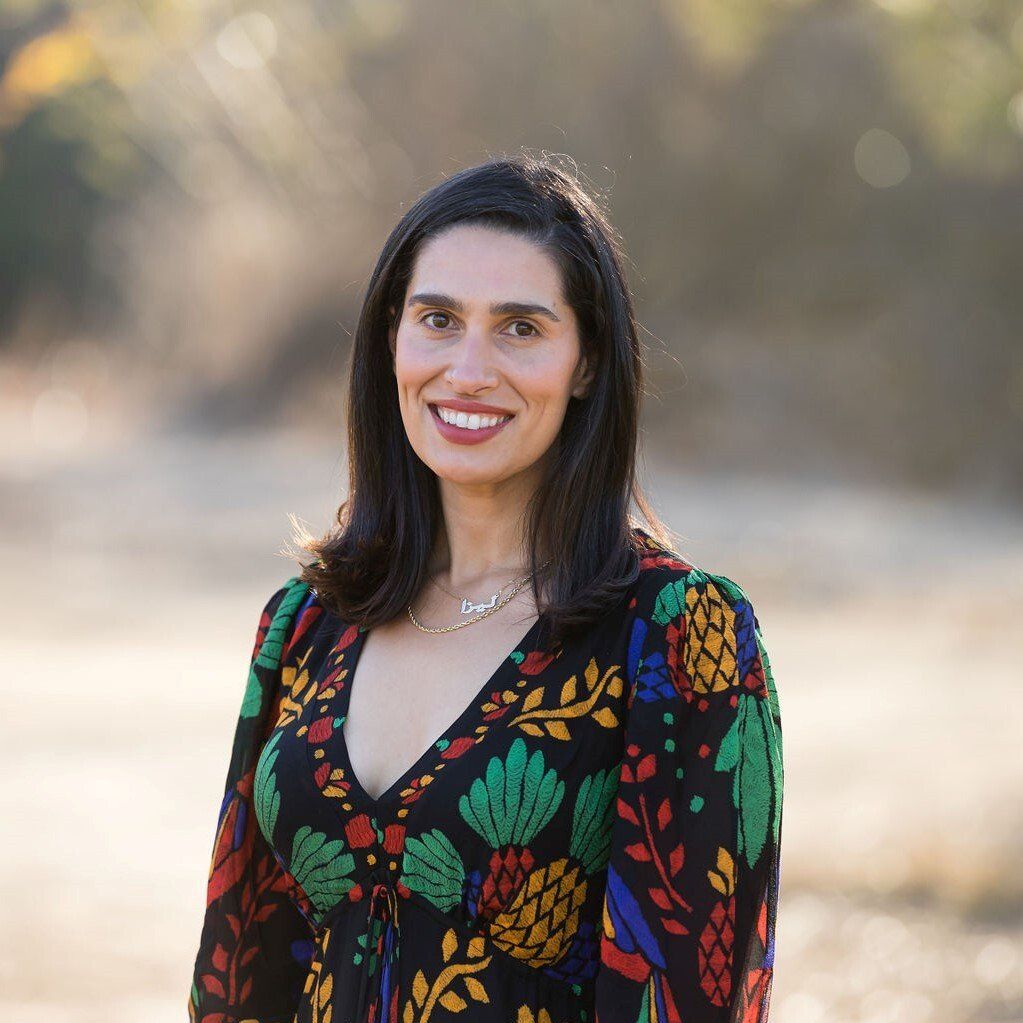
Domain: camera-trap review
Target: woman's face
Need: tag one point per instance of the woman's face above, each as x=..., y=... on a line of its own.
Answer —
x=485, y=322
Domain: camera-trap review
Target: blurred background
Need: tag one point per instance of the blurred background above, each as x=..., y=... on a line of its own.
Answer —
x=822, y=203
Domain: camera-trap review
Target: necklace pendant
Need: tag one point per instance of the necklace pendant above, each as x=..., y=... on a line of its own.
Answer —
x=469, y=608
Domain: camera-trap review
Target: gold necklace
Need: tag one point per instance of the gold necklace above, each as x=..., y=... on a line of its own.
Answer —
x=468, y=607
x=489, y=611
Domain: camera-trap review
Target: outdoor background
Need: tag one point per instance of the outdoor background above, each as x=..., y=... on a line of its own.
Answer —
x=822, y=203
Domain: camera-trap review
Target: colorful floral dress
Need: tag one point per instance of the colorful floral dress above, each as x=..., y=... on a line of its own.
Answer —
x=595, y=839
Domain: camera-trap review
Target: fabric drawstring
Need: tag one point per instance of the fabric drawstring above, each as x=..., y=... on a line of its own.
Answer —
x=380, y=954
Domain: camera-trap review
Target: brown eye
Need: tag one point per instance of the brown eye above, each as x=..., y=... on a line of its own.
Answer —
x=528, y=324
x=435, y=313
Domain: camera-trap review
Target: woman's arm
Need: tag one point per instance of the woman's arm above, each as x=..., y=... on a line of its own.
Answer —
x=691, y=902
x=255, y=944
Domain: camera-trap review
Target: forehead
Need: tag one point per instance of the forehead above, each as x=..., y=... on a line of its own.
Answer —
x=482, y=264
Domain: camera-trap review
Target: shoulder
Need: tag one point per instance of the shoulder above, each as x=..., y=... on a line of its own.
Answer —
x=702, y=622
x=285, y=613
x=283, y=618
x=286, y=599
x=671, y=583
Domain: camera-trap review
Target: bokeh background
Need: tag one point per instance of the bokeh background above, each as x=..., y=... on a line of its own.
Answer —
x=822, y=202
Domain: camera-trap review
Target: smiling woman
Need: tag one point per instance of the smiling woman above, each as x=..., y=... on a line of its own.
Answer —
x=562, y=802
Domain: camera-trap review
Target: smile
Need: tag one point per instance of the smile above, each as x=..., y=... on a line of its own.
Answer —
x=466, y=427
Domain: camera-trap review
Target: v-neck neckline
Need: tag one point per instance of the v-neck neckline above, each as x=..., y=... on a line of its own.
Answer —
x=387, y=796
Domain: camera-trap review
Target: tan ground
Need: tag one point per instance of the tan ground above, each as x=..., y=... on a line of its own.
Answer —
x=133, y=583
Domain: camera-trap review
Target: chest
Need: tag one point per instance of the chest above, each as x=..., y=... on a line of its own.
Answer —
x=522, y=776
x=406, y=688
x=400, y=725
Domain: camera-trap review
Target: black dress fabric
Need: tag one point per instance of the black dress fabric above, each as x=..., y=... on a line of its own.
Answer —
x=594, y=839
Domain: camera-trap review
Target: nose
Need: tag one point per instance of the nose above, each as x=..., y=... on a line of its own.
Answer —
x=472, y=362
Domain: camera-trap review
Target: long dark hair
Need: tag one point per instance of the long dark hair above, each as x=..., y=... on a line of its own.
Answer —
x=374, y=561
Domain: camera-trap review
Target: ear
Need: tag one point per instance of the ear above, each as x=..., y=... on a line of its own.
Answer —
x=583, y=378
x=392, y=332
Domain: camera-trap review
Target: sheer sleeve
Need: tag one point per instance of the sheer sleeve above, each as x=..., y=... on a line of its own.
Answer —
x=693, y=877
x=255, y=944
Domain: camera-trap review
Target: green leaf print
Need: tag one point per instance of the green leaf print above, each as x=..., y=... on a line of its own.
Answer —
x=731, y=589
x=253, y=698
x=321, y=868
x=749, y=752
x=517, y=799
x=670, y=603
x=771, y=713
x=772, y=733
x=272, y=647
x=728, y=754
x=593, y=820
x=432, y=867
x=265, y=795
x=751, y=787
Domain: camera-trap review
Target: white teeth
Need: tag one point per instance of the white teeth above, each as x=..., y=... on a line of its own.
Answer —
x=469, y=421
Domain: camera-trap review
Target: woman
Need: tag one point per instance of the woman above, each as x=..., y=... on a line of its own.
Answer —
x=591, y=833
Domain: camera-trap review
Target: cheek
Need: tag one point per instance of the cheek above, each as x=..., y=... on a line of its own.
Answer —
x=413, y=365
x=546, y=384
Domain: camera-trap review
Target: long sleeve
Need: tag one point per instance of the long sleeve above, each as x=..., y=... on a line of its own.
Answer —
x=255, y=944
x=693, y=878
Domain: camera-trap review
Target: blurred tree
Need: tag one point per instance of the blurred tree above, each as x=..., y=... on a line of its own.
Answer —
x=827, y=190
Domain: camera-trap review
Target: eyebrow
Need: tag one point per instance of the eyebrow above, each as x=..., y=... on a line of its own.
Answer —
x=500, y=309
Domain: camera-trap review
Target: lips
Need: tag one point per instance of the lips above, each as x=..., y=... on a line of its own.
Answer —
x=463, y=435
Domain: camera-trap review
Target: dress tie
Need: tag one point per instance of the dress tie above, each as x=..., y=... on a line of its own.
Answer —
x=382, y=942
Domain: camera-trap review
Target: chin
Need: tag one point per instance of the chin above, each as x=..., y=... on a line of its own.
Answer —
x=467, y=476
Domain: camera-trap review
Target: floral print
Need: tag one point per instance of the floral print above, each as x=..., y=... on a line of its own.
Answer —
x=594, y=839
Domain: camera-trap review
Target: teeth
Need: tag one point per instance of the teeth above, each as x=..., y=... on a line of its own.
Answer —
x=469, y=421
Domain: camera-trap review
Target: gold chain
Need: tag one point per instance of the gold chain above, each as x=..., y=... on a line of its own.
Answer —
x=471, y=621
